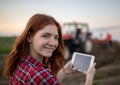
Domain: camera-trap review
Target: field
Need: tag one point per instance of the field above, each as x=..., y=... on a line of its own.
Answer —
x=107, y=67
x=107, y=64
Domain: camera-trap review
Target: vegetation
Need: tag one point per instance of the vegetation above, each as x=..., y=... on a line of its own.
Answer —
x=6, y=44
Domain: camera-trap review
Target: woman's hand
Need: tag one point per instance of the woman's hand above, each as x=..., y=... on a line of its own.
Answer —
x=64, y=71
x=91, y=71
x=67, y=68
x=90, y=75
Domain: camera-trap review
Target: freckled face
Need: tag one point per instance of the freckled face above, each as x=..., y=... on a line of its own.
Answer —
x=45, y=41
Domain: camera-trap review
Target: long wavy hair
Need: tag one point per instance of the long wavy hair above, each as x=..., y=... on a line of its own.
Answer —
x=21, y=46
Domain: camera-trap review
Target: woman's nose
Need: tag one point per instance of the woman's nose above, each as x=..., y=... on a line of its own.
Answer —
x=53, y=41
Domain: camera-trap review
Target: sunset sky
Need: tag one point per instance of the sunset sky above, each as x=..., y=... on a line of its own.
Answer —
x=14, y=14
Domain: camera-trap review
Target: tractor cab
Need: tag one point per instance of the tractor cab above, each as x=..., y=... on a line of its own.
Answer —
x=76, y=37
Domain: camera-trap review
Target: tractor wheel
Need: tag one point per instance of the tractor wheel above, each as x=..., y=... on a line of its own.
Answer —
x=66, y=53
x=88, y=46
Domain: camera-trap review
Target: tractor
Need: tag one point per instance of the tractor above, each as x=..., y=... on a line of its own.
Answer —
x=77, y=37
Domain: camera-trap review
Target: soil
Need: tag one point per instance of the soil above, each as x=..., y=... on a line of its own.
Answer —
x=107, y=67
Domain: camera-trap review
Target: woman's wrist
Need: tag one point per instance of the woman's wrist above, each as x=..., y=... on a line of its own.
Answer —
x=61, y=74
x=64, y=71
x=89, y=80
x=90, y=76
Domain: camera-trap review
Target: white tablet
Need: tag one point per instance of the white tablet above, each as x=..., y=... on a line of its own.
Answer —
x=81, y=61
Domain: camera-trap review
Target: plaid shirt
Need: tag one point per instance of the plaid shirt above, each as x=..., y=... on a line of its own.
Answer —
x=31, y=72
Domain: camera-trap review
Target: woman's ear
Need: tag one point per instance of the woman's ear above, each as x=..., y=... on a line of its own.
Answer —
x=29, y=38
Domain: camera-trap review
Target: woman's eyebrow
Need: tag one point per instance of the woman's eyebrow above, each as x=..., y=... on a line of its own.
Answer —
x=50, y=34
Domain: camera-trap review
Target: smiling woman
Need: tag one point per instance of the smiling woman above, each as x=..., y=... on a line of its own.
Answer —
x=47, y=42
x=37, y=47
x=37, y=55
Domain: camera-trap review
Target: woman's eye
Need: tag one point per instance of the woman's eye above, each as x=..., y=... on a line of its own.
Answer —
x=56, y=37
x=45, y=36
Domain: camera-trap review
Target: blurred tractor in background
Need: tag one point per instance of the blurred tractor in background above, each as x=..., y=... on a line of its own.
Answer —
x=104, y=40
x=76, y=37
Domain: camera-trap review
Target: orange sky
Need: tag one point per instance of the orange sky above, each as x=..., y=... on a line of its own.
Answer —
x=14, y=14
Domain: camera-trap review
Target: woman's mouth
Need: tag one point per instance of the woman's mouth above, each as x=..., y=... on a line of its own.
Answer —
x=51, y=49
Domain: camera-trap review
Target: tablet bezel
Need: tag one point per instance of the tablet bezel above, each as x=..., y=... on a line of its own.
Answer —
x=86, y=55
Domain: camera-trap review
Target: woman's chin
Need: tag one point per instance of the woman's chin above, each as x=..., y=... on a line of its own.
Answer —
x=48, y=55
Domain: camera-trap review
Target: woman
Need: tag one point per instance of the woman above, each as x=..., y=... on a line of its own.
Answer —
x=37, y=55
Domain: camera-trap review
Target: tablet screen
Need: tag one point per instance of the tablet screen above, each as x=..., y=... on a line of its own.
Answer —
x=81, y=61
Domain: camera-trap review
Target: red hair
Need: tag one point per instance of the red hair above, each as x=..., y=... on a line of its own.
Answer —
x=21, y=46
